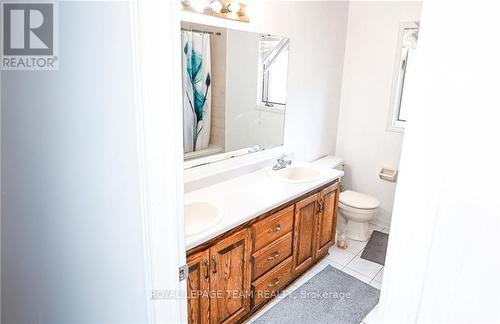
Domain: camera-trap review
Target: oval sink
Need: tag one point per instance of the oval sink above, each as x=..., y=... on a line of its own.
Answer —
x=200, y=216
x=295, y=174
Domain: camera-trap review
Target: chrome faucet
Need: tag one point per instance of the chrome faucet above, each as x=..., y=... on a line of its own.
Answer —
x=281, y=163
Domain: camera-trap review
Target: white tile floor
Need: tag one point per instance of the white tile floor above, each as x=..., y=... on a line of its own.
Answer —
x=347, y=260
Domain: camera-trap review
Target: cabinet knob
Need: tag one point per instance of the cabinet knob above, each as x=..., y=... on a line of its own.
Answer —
x=272, y=257
x=214, y=264
x=275, y=229
x=207, y=265
x=277, y=281
x=321, y=204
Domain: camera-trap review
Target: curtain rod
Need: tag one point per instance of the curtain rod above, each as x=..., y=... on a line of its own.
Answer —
x=201, y=31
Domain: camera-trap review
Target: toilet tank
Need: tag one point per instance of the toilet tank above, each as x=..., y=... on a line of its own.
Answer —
x=331, y=161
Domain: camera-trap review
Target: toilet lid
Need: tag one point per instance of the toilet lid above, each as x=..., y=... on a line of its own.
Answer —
x=358, y=200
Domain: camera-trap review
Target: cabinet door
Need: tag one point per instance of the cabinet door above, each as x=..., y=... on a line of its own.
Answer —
x=304, y=234
x=230, y=278
x=197, y=288
x=327, y=220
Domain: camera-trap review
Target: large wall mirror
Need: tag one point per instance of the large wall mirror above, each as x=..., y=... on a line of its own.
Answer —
x=234, y=92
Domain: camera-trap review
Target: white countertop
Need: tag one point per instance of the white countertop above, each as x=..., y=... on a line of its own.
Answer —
x=250, y=195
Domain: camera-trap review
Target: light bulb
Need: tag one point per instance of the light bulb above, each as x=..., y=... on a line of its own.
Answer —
x=216, y=6
x=234, y=6
x=198, y=5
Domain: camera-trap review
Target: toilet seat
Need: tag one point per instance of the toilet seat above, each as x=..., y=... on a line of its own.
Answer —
x=358, y=200
x=361, y=211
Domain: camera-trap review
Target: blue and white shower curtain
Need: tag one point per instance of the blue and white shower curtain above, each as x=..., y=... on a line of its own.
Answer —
x=196, y=74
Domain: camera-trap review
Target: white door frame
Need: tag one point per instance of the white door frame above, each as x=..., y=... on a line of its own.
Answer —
x=155, y=35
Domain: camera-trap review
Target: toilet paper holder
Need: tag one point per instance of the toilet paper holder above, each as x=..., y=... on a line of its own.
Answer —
x=388, y=175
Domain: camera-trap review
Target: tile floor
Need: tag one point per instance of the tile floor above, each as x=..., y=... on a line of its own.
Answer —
x=347, y=260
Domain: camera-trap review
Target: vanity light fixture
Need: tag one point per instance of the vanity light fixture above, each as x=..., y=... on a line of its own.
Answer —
x=232, y=7
x=216, y=6
x=198, y=5
x=227, y=9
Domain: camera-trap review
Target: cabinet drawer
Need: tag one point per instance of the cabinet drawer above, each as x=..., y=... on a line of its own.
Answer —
x=269, y=284
x=272, y=227
x=271, y=255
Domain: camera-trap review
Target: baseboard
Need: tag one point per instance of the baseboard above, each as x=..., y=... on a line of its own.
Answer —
x=380, y=223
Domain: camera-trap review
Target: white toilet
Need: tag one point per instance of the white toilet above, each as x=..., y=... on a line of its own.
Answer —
x=356, y=208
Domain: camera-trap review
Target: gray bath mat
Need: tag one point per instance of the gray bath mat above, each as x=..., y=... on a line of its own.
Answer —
x=331, y=296
x=376, y=248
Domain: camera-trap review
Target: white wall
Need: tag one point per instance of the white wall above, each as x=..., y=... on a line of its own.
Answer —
x=317, y=37
x=72, y=245
x=363, y=140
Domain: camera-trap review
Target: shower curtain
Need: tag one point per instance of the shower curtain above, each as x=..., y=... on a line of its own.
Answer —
x=196, y=76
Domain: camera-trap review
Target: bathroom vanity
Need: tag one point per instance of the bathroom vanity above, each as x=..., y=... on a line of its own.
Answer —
x=250, y=236
x=239, y=269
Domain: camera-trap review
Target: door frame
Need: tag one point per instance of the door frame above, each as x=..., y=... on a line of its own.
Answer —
x=155, y=32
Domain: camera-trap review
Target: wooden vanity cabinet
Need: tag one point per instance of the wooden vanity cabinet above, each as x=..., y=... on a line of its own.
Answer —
x=219, y=281
x=272, y=255
x=230, y=278
x=314, y=227
x=235, y=274
x=304, y=231
x=198, y=284
x=272, y=227
x=326, y=220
